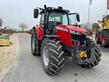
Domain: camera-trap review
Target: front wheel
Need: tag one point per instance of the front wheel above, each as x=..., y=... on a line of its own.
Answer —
x=35, y=45
x=52, y=56
x=93, y=55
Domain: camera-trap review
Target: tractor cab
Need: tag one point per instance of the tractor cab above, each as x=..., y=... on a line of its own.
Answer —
x=52, y=17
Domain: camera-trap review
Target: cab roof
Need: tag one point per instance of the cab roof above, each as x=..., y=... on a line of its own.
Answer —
x=52, y=9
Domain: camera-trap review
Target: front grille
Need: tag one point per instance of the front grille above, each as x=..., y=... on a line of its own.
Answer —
x=81, y=38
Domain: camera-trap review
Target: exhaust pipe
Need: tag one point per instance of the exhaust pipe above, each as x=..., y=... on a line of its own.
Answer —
x=45, y=7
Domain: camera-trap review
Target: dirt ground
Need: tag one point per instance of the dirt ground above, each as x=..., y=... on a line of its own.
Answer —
x=8, y=55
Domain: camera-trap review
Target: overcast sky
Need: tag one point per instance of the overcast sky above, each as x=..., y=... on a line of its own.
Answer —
x=14, y=12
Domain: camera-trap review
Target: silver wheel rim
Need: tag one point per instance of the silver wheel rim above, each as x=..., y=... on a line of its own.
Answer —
x=33, y=43
x=45, y=56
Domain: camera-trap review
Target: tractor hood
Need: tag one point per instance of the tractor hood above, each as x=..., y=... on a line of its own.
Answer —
x=71, y=28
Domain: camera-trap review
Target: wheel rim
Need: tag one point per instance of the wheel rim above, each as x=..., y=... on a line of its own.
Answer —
x=89, y=56
x=33, y=42
x=45, y=56
x=87, y=59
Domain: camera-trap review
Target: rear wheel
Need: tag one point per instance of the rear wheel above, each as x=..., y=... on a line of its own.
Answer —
x=93, y=56
x=52, y=56
x=35, y=45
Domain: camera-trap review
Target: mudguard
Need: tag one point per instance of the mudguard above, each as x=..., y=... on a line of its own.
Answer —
x=39, y=31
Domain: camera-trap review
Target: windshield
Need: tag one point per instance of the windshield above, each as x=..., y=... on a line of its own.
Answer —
x=73, y=20
x=59, y=18
x=62, y=18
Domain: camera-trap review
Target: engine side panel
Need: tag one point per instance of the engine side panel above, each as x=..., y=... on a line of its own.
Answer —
x=65, y=37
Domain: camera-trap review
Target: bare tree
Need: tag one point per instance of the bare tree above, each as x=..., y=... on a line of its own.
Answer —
x=95, y=27
x=23, y=26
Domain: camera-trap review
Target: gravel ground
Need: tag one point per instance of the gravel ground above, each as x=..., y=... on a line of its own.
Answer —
x=8, y=56
x=29, y=69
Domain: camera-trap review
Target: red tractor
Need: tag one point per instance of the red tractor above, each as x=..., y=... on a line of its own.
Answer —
x=57, y=35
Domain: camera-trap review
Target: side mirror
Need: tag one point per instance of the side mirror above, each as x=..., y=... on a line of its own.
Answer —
x=36, y=12
x=78, y=17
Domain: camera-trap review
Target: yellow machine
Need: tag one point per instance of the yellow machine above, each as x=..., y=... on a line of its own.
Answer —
x=104, y=23
x=4, y=40
x=102, y=35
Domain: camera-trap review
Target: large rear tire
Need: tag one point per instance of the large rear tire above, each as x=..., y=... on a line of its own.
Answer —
x=35, y=44
x=52, y=56
x=94, y=55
